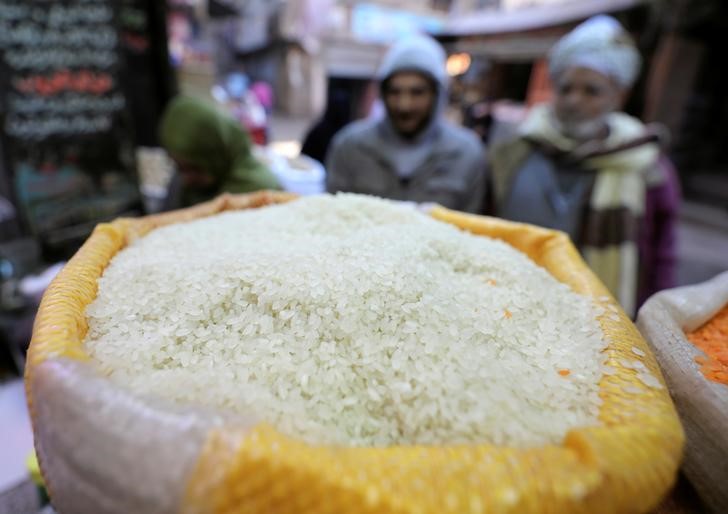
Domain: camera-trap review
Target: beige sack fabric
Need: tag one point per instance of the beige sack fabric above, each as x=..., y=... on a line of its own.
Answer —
x=701, y=403
x=102, y=450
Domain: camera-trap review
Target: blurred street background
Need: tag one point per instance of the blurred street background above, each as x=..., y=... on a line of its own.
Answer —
x=277, y=65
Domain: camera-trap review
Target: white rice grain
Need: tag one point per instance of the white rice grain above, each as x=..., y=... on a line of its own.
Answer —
x=351, y=321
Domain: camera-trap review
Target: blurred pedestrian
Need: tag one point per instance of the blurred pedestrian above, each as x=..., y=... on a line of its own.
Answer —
x=412, y=153
x=212, y=153
x=338, y=114
x=580, y=166
x=477, y=100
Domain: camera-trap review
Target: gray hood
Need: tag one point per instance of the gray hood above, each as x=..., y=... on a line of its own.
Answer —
x=425, y=55
x=416, y=53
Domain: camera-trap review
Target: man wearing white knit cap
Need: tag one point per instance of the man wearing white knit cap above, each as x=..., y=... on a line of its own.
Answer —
x=598, y=54
x=580, y=166
x=600, y=44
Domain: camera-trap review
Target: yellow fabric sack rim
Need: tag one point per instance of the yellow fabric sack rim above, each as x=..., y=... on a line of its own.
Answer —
x=624, y=465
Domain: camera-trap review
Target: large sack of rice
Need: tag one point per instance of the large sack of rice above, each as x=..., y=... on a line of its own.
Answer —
x=668, y=321
x=342, y=354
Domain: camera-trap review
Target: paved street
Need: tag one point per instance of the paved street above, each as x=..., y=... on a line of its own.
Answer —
x=702, y=243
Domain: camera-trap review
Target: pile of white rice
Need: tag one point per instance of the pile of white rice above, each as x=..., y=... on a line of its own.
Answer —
x=349, y=320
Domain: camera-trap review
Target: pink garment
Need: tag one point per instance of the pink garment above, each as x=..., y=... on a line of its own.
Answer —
x=657, y=241
x=264, y=93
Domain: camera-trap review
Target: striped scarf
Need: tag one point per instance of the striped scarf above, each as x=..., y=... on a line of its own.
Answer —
x=624, y=165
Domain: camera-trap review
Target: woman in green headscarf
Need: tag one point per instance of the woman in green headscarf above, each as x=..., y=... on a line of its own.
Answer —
x=212, y=152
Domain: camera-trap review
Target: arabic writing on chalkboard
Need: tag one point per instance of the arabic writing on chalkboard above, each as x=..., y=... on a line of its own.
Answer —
x=64, y=80
x=59, y=62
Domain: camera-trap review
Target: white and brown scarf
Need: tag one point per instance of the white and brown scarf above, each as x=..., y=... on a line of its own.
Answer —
x=624, y=164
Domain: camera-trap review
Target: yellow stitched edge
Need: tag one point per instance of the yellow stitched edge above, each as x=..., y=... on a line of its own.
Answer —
x=625, y=465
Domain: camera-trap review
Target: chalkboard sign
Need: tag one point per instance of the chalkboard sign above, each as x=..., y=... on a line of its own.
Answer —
x=65, y=127
x=60, y=62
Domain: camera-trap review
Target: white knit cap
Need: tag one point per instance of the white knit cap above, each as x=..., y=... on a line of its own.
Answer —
x=600, y=44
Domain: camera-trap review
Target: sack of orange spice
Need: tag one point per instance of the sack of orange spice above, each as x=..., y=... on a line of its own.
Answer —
x=687, y=328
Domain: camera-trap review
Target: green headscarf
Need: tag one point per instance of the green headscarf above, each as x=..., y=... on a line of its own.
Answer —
x=196, y=133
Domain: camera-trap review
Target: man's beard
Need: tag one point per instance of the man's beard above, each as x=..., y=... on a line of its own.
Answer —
x=413, y=132
x=582, y=130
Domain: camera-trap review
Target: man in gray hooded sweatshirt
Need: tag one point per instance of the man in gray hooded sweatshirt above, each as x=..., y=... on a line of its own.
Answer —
x=412, y=153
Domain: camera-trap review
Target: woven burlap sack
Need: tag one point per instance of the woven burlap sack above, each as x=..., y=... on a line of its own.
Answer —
x=102, y=450
x=701, y=403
